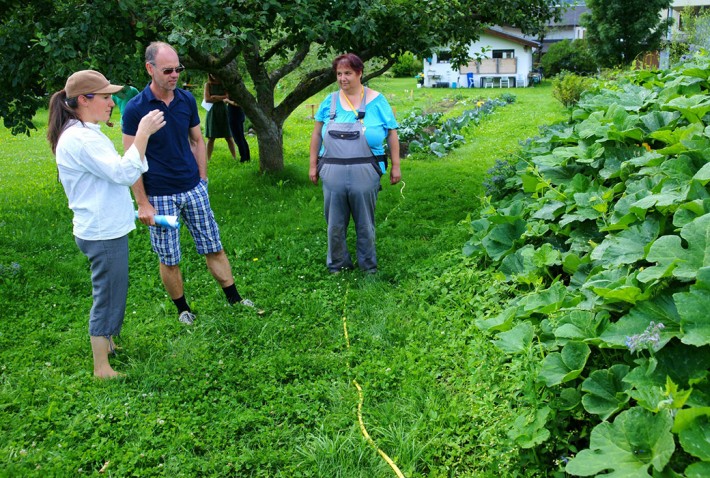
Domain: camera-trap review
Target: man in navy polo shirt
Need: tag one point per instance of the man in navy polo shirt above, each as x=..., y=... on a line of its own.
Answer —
x=176, y=181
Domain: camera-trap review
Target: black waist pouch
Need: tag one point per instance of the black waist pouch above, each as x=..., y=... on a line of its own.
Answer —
x=347, y=135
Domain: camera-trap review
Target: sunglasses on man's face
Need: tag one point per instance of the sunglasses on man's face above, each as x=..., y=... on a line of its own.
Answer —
x=169, y=71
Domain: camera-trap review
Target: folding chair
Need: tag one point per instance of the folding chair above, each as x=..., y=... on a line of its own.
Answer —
x=469, y=79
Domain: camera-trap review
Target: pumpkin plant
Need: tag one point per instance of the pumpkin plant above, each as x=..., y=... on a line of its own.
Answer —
x=602, y=228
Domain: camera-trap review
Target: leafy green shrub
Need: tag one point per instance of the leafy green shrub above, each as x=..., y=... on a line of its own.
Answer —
x=508, y=98
x=500, y=179
x=605, y=236
x=573, y=56
x=568, y=88
x=407, y=65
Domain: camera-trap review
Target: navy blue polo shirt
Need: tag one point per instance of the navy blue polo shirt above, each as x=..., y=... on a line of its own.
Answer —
x=172, y=167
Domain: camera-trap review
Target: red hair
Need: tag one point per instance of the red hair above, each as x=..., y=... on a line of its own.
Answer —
x=351, y=60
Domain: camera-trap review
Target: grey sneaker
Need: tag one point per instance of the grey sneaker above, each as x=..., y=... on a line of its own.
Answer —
x=250, y=304
x=186, y=317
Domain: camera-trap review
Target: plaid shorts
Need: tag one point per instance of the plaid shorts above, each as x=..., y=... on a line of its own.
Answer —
x=194, y=209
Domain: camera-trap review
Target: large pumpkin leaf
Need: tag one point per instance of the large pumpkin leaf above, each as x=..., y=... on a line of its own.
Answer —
x=703, y=174
x=694, y=310
x=687, y=416
x=546, y=301
x=636, y=441
x=682, y=169
x=695, y=438
x=629, y=96
x=668, y=251
x=499, y=241
x=502, y=321
x=659, y=310
x=527, y=263
x=656, y=120
x=549, y=210
x=616, y=285
x=693, y=428
x=562, y=367
x=581, y=325
x=691, y=210
x=676, y=138
x=698, y=470
x=692, y=108
x=683, y=364
x=606, y=391
x=627, y=246
x=517, y=340
x=670, y=195
x=593, y=204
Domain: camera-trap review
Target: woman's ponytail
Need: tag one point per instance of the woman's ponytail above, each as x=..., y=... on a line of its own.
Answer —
x=61, y=111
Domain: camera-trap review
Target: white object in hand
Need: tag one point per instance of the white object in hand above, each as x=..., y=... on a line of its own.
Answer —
x=173, y=222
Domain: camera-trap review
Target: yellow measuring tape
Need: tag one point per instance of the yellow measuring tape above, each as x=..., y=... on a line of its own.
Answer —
x=361, y=400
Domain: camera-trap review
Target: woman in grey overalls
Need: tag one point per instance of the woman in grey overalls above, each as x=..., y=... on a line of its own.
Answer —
x=349, y=157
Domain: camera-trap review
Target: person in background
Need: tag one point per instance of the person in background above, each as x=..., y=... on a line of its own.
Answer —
x=176, y=183
x=217, y=121
x=347, y=153
x=96, y=180
x=122, y=98
x=236, y=125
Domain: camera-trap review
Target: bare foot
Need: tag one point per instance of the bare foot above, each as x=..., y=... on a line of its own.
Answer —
x=107, y=373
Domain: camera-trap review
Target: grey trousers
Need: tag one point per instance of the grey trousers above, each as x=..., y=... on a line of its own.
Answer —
x=109, y=281
x=350, y=190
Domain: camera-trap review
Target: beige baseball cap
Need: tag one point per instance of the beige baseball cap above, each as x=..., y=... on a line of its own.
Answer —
x=86, y=82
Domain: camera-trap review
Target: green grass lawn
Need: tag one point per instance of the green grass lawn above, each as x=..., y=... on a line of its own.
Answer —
x=239, y=394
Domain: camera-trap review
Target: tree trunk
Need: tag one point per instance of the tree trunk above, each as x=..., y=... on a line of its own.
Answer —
x=271, y=151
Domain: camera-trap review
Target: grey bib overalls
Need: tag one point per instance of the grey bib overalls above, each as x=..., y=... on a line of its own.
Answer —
x=351, y=181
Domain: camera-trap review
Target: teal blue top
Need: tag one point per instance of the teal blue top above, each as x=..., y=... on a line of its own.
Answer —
x=379, y=119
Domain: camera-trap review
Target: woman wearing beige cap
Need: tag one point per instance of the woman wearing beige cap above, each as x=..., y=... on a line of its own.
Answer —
x=96, y=180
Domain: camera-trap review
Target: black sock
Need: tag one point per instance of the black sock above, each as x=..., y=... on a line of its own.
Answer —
x=181, y=305
x=232, y=295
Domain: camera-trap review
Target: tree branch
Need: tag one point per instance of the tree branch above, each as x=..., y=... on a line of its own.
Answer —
x=294, y=63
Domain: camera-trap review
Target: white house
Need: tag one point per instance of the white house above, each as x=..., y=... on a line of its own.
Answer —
x=678, y=6
x=568, y=27
x=676, y=12
x=508, y=62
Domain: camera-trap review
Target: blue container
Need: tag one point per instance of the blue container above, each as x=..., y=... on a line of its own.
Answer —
x=453, y=84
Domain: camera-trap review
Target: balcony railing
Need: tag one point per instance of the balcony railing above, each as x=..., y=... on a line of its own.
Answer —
x=492, y=66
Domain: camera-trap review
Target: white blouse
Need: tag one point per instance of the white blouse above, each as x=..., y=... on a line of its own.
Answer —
x=96, y=180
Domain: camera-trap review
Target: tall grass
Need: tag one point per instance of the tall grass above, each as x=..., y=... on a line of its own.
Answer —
x=239, y=394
